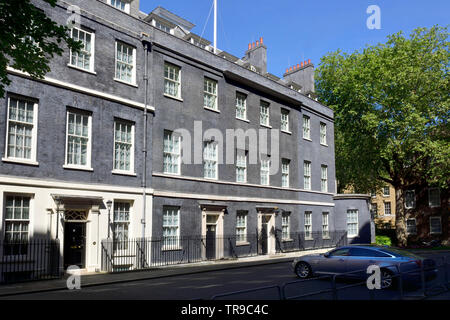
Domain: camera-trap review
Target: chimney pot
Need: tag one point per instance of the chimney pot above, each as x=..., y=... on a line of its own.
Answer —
x=302, y=64
x=257, y=43
x=290, y=69
x=287, y=70
x=253, y=45
x=249, y=46
x=309, y=61
x=261, y=40
x=298, y=66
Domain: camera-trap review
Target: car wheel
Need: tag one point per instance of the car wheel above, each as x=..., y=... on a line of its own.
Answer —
x=303, y=270
x=387, y=279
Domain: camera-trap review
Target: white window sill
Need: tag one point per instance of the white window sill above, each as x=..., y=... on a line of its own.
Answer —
x=173, y=97
x=212, y=179
x=307, y=139
x=353, y=236
x=324, y=144
x=124, y=173
x=326, y=238
x=127, y=83
x=287, y=132
x=309, y=239
x=21, y=161
x=174, y=248
x=173, y=174
x=213, y=110
x=70, y=167
x=245, y=120
x=242, y=243
x=289, y=240
x=81, y=69
x=266, y=126
x=437, y=206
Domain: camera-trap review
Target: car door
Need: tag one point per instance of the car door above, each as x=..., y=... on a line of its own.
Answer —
x=334, y=262
x=359, y=260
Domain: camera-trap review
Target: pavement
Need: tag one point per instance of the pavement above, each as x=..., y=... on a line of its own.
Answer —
x=97, y=279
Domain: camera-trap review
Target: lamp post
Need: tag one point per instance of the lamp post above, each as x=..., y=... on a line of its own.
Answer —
x=109, y=205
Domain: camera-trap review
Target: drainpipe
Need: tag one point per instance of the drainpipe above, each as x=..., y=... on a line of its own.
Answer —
x=147, y=48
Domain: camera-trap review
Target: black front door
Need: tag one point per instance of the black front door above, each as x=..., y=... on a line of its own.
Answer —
x=264, y=237
x=74, y=244
x=210, y=242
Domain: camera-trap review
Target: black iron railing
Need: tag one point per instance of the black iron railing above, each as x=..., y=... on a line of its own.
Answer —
x=146, y=253
x=35, y=259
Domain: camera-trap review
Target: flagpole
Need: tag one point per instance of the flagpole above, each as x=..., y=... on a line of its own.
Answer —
x=215, y=26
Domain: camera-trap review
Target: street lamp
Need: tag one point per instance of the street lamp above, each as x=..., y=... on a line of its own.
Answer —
x=109, y=205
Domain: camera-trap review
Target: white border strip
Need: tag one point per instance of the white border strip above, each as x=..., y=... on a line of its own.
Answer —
x=170, y=194
x=77, y=88
x=29, y=182
x=171, y=176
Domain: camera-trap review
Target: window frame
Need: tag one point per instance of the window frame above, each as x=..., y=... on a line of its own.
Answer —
x=390, y=208
x=285, y=164
x=323, y=134
x=173, y=136
x=307, y=165
x=127, y=223
x=241, y=237
x=323, y=178
x=264, y=105
x=356, y=213
x=413, y=199
x=284, y=123
x=440, y=224
x=325, y=225
x=126, y=8
x=244, y=107
x=34, y=131
x=415, y=226
x=430, y=204
x=91, y=53
x=177, y=82
x=285, y=226
x=132, y=148
x=175, y=244
x=306, y=127
x=388, y=194
x=308, y=223
x=214, y=95
x=240, y=154
x=266, y=172
x=89, y=144
x=13, y=220
x=133, y=73
x=214, y=160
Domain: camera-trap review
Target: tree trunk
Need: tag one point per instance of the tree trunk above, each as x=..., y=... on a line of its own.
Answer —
x=400, y=219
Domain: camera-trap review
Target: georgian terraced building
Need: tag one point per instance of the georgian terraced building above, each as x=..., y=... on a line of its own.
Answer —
x=130, y=138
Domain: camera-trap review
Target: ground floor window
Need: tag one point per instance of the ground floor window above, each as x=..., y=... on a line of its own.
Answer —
x=121, y=225
x=171, y=226
x=285, y=228
x=308, y=225
x=325, y=226
x=435, y=225
x=241, y=226
x=352, y=223
x=17, y=220
x=411, y=227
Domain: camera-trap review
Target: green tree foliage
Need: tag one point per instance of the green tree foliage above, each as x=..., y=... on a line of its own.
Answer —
x=29, y=39
x=391, y=104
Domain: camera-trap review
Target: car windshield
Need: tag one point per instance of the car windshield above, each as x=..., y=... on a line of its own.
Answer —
x=399, y=252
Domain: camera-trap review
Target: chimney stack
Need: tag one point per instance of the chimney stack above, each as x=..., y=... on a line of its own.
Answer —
x=256, y=55
x=302, y=74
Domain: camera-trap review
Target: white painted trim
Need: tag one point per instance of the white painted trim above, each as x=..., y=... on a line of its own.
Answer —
x=196, y=196
x=21, y=161
x=31, y=182
x=73, y=87
x=166, y=175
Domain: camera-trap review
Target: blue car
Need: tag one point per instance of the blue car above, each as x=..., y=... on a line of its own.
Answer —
x=352, y=262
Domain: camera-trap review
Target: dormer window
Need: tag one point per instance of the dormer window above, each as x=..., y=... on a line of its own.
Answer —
x=162, y=26
x=120, y=4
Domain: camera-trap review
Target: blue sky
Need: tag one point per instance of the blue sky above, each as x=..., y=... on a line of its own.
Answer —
x=297, y=30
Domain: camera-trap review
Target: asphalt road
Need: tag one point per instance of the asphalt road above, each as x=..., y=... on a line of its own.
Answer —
x=208, y=284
